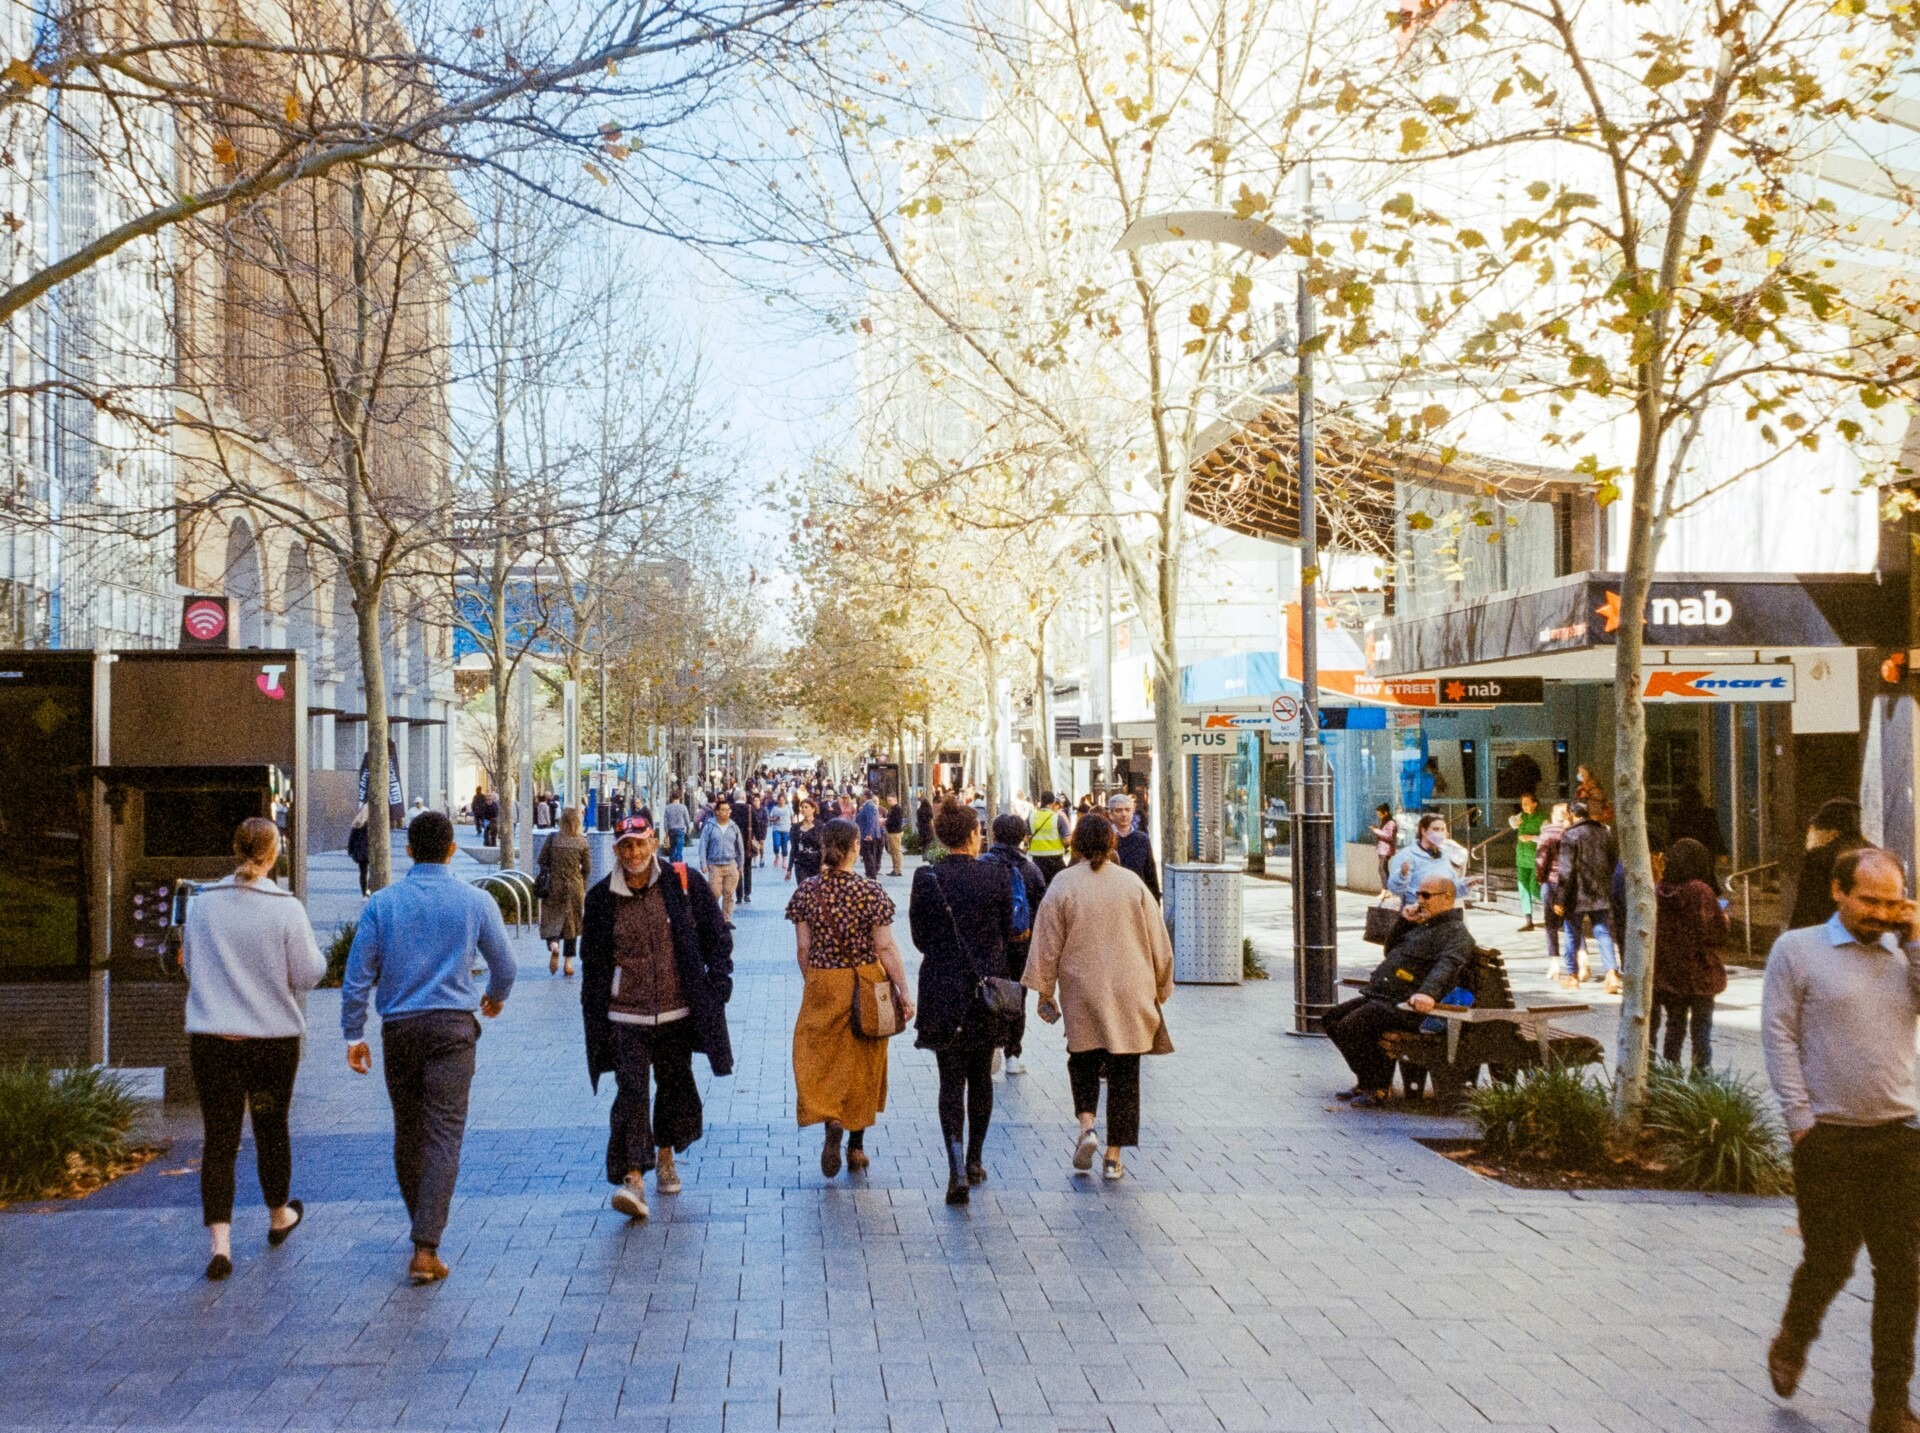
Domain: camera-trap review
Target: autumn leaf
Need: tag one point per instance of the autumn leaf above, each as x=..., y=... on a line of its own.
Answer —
x=293, y=109
x=23, y=74
x=223, y=150
x=1419, y=521
x=595, y=171
x=1413, y=136
x=1662, y=71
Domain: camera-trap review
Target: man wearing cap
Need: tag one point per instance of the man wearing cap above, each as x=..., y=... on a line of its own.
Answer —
x=656, y=966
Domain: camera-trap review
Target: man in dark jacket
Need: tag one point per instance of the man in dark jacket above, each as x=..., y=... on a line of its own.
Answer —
x=656, y=975
x=1584, y=883
x=1427, y=955
x=1133, y=848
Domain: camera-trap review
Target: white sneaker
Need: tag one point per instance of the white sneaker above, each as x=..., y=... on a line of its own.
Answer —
x=630, y=1199
x=1085, y=1150
x=998, y=1061
x=666, y=1179
x=1014, y=1067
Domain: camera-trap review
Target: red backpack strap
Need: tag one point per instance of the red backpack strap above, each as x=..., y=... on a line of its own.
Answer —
x=681, y=867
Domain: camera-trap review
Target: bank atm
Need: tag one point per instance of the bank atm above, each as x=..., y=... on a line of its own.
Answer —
x=127, y=774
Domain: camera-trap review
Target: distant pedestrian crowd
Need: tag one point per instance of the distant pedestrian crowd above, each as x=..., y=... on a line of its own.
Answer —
x=1061, y=905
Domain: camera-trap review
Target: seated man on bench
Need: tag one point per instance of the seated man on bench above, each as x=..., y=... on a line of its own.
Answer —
x=1429, y=952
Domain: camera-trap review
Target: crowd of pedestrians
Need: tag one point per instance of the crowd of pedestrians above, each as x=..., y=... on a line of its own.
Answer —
x=653, y=939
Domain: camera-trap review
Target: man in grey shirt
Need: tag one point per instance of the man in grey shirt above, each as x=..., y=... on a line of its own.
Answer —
x=676, y=821
x=1837, y=1021
x=722, y=853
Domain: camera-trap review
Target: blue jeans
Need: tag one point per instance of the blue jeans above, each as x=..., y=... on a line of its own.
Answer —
x=676, y=844
x=1602, y=941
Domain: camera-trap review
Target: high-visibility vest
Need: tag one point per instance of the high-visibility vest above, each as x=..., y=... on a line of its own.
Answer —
x=1046, y=840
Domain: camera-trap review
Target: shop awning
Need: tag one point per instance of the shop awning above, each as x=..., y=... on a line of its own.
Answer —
x=1566, y=628
x=1245, y=479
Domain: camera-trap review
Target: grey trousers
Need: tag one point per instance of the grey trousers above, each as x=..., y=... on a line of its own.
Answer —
x=428, y=1063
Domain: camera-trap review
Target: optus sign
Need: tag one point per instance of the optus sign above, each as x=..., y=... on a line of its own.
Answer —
x=1771, y=683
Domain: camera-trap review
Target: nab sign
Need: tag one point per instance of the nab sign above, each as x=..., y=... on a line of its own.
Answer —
x=1771, y=683
x=1491, y=691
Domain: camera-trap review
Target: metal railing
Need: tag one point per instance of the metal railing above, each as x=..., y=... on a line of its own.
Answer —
x=1486, y=865
x=518, y=889
x=1745, y=877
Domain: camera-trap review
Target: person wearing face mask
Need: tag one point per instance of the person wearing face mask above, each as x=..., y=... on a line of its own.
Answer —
x=1837, y=1023
x=1427, y=856
x=656, y=969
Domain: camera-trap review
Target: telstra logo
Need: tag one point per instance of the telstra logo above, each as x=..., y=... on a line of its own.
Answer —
x=269, y=680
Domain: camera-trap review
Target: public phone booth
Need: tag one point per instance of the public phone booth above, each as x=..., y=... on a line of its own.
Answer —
x=125, y=776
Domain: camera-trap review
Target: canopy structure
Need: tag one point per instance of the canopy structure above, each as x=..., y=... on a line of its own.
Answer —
x=1246, y=480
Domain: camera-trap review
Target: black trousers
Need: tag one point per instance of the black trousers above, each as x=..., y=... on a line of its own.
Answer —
x=673, y=1118
x=1016, y=967
x=1854, y=1187
x=1355, y=1027
x=871, y=850
x=1679, y=1012
x=1050, y=866
x=1122, y=1072
x=233, y=1076
x=428, y=1063
x=966, y=1096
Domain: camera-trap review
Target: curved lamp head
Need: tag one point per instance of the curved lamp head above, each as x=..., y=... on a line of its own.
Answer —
x=1203, y=226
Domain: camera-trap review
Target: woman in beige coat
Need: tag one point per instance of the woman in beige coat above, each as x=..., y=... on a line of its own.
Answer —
x=566, y=862
x=1099, y=935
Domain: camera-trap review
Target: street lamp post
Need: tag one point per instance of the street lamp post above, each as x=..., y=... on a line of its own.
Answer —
x=1316, y=965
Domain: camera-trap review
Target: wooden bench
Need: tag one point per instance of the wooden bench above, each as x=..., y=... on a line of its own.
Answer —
x=1492, y=1033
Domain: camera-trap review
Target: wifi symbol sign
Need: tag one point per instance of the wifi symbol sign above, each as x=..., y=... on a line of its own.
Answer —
x=204, y=621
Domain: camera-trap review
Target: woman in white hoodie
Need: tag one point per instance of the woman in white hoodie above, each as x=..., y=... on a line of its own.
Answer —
x=250, y=957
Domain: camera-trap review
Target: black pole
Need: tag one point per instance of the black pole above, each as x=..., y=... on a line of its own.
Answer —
x=1316, y=937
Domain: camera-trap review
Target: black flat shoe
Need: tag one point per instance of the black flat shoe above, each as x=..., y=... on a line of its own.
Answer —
x=957, y=1194
x=277, y=1237
x=219, y=1267
x=976, y=1172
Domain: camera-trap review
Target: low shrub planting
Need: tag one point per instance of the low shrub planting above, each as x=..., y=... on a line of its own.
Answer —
x=338, y=948
x=1559, y=1116
x=60, y=1128
x=1713, y=1130
x=1252, y=967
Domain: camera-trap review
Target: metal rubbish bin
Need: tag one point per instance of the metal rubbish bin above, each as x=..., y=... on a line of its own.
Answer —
x=1203, y=904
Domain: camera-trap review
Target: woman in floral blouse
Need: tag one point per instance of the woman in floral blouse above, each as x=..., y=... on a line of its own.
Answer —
x=843, y=929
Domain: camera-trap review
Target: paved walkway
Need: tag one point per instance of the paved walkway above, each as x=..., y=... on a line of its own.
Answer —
x=1272, y=1263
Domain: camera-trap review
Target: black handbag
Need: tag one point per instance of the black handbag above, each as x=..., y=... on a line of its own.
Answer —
x=543, y=881
x=1002, y=997
x=1380, y=923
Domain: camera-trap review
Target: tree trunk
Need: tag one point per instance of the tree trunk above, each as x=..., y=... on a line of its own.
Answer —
x=993, y=729
x=1636, y=943
x=373, y=676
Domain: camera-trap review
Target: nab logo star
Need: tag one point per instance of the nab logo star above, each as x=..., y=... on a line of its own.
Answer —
x=1456, y=690
x=1610, y=612
x=269, y=681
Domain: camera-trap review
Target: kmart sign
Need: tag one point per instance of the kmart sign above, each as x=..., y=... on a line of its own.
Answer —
x=1769, y=683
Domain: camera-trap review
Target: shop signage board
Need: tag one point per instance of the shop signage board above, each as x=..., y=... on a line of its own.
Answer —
x=1472, y=691
x=1772, y=682
x=1396, y=691
x=1092, y=748
x=1208, y=743
x=1234, y=721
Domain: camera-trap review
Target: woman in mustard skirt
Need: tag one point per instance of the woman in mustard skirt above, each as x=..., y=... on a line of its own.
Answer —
x=843, y=929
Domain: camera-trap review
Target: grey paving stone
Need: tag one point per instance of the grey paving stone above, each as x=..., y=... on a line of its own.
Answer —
x=1273, y=1262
